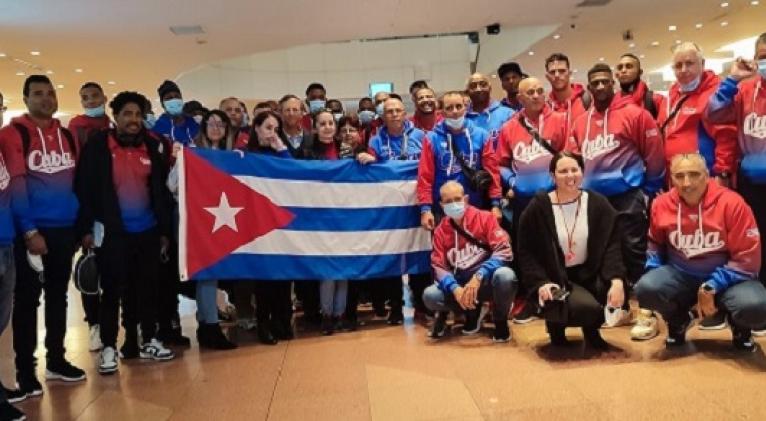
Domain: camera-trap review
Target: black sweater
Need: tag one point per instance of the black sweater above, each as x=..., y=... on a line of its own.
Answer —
x=94, y=186
x=542, y=260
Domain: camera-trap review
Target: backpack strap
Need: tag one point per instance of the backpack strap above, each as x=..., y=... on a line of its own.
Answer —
x=587, y=100
x=26, y=140
x=471, y=239
x=649, y=104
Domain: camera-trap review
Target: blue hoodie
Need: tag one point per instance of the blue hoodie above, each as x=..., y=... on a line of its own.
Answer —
x=437, y=164
x=184, y=133
x=385, y=147
x=491, y=119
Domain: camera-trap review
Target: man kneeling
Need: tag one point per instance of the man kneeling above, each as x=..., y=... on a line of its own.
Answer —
x=470, y=257
x=704, y=250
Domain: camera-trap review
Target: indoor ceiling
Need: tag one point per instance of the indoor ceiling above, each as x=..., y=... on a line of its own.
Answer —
x=129, y=44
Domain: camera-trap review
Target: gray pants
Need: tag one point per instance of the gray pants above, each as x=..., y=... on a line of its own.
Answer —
x=7, y=283
x=673, y=293
x=501, y=289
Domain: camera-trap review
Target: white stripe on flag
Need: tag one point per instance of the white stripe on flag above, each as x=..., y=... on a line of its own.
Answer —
x=337, y=243
x=320, y=194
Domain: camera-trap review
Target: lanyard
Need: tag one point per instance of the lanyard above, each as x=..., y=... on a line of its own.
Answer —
x=173, y=133
x=452, y=152
x=587, y=127
x=403, y=155
x=570, y=232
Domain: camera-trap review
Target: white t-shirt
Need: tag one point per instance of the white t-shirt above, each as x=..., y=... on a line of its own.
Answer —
x=564, y=215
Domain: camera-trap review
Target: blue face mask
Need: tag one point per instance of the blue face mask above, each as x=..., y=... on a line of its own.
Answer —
x=379, y=109
x=762, y=68
x=366, y=116
x=316, y=105
x=454, y=210
x=96, y=111
x=455, y=123
x=149, y=121
x=691, y=85
x=174, y=106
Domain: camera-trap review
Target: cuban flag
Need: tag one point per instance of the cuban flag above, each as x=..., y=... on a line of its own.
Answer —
x=248, y=216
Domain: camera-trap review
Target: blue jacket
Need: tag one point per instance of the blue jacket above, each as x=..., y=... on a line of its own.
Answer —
x=491, y=119
x=183, y=134
x=385, y=147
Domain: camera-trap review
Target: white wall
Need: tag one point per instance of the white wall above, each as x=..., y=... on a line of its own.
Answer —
x=346, y=69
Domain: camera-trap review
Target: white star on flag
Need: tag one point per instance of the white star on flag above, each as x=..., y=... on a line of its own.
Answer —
x=224, y=214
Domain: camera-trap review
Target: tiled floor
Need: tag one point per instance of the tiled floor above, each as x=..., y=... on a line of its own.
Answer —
x=396, y=373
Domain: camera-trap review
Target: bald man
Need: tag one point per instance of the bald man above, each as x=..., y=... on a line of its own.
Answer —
x=470, y=258
x=704, y=250
x=484, y=112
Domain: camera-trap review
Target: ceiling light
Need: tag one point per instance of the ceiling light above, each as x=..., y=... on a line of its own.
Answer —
x=50, y=72
x=574, y=71
x=672, y=28
x=2, y=55
x=724, y=23
x=19, y=73
x=725, y=4
x=698, y=26
x=78, y=70
x=642, y=56
x=632, y=45
x=34, y=53
x=111, y=82
x=600, y=59
x=557, y=36
x=755, y=2
x=59, y=86
x=655, y=43
x=531, y=53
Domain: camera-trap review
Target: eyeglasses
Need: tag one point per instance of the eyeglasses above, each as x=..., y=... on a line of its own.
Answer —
x=348, y=130
x=216, y=125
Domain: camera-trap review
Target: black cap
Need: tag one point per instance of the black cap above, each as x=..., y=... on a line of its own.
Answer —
x=509, y=67
x=167, y=87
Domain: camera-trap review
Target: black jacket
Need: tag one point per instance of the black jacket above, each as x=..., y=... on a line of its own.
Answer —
x=542, y=260
x=94, y=186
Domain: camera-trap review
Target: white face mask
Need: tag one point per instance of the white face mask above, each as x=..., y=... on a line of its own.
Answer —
x=691, y=85
x=762, y=68
x=35, y=262
x=198, y=119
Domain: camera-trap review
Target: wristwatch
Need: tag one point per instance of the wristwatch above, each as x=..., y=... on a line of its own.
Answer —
x=708, y=288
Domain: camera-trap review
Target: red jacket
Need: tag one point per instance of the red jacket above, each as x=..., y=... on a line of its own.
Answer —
x=455, y=259
x=418, y=122
x=690, y=131
x=523, y=161
x=637, y=96
x=83, y=126
x=573, y=107
x=717, y=241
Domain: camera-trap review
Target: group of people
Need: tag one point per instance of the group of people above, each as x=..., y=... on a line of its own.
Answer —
x=557, y=205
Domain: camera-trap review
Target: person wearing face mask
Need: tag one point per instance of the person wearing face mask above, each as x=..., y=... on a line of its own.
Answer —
x=470, y=260
x=378, y=100
x=704, y=251
x=336, y=107
x=316, y=100
x=94, y=118
x=624, y=161
x=741, y=99
x=569, y=244
x=366, y=113
x=485, y=112
x=628, y=71
x=173, y=125
x=134, y=208
x=426, y=115
x=510, y=75
x=454, y=146
x=149, y=119
x=237, y=134
x=40, y=157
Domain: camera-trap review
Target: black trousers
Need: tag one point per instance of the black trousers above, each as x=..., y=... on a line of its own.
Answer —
x=169, y=287
x=308, y=293
x=90, y=306
x=755, y=196
x=273, y=304
x=633, y=224
x=61, y=243
x=418, y=284
x=585, y=307
x=129, y=266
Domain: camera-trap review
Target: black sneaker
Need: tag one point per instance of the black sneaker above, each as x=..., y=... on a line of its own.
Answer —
x=327, y=326
x=473, y=319
x=439, y=329
x=63, y=370
x=502, y=332
x=29, y=385
x=9, y=412
x=14, y=395
x=677, y=332
x=395, y=317
x=173, y=336
x=129, y=350
x=742, y=339
x=714, y=322
x=526, y=315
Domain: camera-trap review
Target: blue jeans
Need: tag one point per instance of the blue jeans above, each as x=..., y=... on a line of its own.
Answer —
x=7, y=283
x=207, y=306
x=332, y=296
x=501, y=289
x=673, y=293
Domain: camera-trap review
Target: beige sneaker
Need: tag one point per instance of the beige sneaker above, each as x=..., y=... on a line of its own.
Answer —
x=626, y=319
x=646, y=327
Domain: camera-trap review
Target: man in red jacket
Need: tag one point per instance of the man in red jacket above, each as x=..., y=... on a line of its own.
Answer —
x=686, y=129
x=628, y=72
x=565, y=97
x=470, y=258
x=94, y=118
x=704, y=250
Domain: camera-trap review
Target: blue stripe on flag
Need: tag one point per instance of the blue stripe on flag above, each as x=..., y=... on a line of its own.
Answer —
x=293, y=268
x=341, y=171
x=322, y=219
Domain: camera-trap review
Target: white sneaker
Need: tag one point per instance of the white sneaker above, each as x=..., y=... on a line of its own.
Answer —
x=108, y=361
x=154, y=350
x=646, y=326
x=625, y=319
x=95, y=339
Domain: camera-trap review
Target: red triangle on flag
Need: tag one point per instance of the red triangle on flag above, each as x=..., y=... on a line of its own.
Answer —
x=222, y=213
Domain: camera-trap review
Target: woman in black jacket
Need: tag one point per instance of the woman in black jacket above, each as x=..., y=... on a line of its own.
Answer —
x=568, y=244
